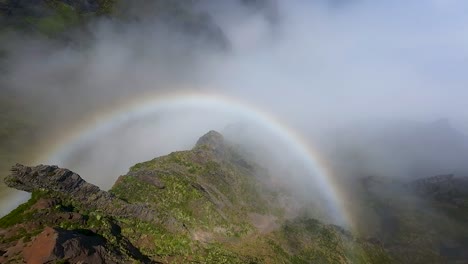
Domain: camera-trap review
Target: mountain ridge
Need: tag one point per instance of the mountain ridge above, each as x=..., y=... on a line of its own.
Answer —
x=210, y=206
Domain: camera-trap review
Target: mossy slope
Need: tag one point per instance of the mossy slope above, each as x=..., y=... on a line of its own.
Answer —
x=211, y=207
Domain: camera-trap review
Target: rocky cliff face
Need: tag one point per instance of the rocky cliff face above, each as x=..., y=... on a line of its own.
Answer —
x=203, y=205
x=70, y=184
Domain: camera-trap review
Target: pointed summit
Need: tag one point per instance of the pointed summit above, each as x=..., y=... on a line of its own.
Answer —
x=212, y=140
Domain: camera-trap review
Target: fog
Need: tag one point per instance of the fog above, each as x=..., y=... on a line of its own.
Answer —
x=364, y=83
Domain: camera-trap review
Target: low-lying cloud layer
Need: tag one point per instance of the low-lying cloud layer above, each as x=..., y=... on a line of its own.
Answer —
x=360, y=80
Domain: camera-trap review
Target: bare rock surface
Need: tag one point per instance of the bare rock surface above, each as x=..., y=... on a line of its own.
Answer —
x=71, y=184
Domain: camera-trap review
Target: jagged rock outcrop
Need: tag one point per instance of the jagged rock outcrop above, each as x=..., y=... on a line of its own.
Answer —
x=220, y=149
x=68, y=183
x=212, y=140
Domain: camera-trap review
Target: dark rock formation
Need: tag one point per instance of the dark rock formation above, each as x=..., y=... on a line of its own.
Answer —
x=55, y=244
x=222, y=151
x=213, y=140
x=431, y=184
x=444, y=188
x=150, y=177
x=42, y=7
x=66, y=182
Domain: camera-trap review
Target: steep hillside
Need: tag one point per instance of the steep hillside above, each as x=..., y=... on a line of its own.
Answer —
x=73, y=19
x=205, y=205
x=422, y=221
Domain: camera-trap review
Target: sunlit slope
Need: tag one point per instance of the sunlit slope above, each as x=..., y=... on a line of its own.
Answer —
x=208, y=205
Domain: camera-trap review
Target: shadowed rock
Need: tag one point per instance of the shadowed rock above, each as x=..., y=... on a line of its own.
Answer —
x=221, y=150
x=53, y=245
x=150, y=177
x=66, y=182
x=212, y=140
x=444, y=188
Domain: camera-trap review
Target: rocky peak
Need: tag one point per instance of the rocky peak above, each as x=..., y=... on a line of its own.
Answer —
x=70, y=184
x=213, y=140
x=205, y=198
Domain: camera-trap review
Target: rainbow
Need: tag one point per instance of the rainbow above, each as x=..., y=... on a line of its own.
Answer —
x=98, y=125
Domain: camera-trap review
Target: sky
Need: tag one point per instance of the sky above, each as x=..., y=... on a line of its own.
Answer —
x=350, y=60
x=357, y=61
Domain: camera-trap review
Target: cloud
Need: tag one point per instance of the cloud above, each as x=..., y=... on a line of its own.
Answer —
x=324, y=67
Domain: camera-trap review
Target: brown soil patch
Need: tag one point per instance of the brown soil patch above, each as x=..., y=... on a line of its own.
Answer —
x=41, y=247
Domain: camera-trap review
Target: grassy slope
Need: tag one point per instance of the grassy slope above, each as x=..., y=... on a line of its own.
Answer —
x=49, y=17
x=204, y=210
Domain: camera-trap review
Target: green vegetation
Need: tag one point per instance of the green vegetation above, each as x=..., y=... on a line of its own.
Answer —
x=63, y=18
x=205, y=204
x=204, y=200
x=313, y=242
x=53, y=17
x=106, y=7
x=22, y=212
